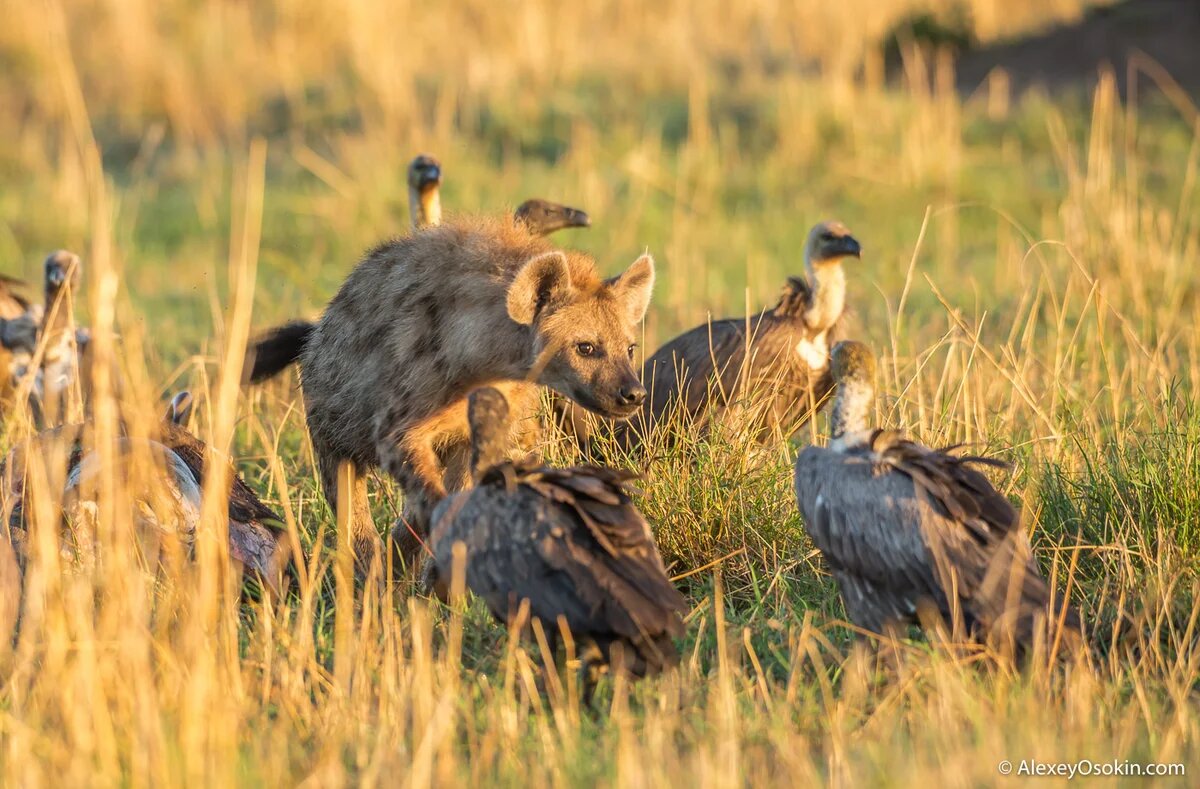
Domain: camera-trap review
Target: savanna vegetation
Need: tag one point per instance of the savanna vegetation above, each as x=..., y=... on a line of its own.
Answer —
x=1029, y=280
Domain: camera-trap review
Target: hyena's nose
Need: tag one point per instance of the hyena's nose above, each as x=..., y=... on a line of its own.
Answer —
x=632, y=394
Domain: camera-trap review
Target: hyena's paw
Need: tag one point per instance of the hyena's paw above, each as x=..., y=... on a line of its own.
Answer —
x=407, y=550
x=368, y=555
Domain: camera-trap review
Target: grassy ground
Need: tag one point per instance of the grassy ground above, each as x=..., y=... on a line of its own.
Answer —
x=1029, y=280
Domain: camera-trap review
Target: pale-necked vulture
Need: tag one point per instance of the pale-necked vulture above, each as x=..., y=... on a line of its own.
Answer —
x=908, y=531
x=164, y=474
x=424, y=192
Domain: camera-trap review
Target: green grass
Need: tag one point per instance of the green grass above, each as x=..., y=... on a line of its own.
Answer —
x=1029, y=282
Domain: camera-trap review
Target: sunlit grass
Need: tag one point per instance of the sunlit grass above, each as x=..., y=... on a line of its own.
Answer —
x=1029, y=282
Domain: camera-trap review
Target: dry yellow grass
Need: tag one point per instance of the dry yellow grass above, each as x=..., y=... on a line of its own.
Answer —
x=220, y=164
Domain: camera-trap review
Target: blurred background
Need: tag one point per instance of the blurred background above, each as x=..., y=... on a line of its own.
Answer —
x=711, y=133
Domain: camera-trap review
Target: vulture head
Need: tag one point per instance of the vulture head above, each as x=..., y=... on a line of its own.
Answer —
x=543, y=217
x=830, y=243
x=424, y=178
x=424, y=173
x=852, y=365
x=63, y=268
x=180, y=408
x=852, y=362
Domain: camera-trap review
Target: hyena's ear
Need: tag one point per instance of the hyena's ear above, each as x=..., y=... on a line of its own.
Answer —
x=542, y=280
x=634, y=287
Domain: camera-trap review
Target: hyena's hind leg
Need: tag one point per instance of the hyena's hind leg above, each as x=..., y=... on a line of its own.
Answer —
x=365, y=540
x=411, y=460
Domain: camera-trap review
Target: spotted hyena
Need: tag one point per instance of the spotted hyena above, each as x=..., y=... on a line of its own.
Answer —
x=423, y=321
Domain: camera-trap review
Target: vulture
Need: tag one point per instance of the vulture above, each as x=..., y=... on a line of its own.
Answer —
x=543, y=217
x=767, y=373
x=568, y=540
x=424, y=197
x=164, y=475
x=65, y=343
x=912, y=533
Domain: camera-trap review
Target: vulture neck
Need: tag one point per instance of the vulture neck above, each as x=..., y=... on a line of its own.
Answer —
x=425, y=207
x=489, y=446
x=58, y=308
x=828, y=299
x=851, y=409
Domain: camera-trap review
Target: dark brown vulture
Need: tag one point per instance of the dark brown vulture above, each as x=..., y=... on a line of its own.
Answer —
x=568, y=540
x=909, y=531
x=166, y=501
x=543, y=217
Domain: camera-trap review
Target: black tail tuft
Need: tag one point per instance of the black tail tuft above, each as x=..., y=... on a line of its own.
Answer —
x=270, y=354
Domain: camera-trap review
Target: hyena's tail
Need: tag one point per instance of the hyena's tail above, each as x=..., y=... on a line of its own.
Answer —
x=270, y=354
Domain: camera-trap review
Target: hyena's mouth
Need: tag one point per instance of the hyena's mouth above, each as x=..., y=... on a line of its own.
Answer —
x=608, y=408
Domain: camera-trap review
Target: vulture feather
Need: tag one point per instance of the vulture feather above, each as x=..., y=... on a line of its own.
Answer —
x=568, y=540
x=904, y=527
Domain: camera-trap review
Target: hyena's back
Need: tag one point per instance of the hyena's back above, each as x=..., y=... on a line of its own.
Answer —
x=417, y=325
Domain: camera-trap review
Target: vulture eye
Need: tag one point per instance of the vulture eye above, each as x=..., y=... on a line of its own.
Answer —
x=585, y=349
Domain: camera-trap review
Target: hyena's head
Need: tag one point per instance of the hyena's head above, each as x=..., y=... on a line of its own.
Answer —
x=585, y=333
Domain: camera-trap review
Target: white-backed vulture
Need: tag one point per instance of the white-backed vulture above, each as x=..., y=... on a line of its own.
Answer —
x=910, y=532
x=164, y=474
x=568, y=540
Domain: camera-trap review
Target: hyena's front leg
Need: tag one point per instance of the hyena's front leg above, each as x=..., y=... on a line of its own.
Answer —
x=411, y=460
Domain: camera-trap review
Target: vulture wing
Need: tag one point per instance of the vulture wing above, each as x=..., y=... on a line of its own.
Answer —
x=960, y=491
x=869, y=528
x=244, y=504
x=572, y=543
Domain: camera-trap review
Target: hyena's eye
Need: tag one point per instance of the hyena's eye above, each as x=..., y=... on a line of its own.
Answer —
x=631, y=349
x=585, y=349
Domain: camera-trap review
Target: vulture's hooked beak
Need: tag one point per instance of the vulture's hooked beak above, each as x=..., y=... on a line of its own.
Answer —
x=431, y=177
x=847, y=246
x=573, y=217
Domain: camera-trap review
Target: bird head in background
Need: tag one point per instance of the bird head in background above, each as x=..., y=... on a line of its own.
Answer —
x=852, y=362
x=424, y=173
x=543, y=217
x=62, y=268
x=830, y=242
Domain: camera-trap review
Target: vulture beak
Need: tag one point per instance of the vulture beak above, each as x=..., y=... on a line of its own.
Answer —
x=56, y=276
x=431, y=176
x=577, y=218
x=847, y=246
